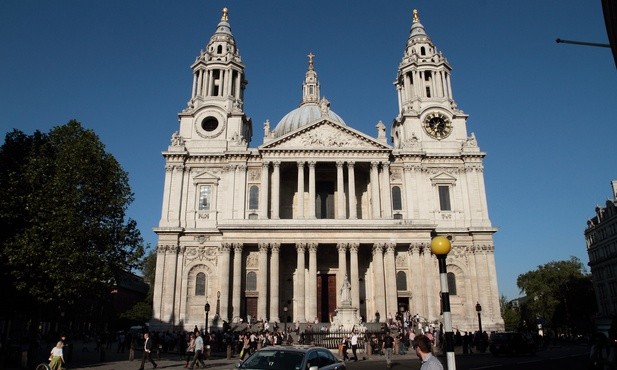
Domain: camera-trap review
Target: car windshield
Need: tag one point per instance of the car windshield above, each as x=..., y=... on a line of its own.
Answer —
x=274, y=360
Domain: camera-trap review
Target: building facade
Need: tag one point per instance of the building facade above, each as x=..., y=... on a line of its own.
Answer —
x=272, y=232
x=601, y=238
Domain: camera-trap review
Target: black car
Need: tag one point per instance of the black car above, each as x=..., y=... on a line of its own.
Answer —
x=292, y=358
x=511, y=343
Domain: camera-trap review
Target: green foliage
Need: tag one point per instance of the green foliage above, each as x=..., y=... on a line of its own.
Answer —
x=149, y=271
x=62, y=214
x=560, y=292
x=511, y=316
x=141, y=312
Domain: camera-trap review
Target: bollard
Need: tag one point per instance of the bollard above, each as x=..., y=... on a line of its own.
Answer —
x=229, y=352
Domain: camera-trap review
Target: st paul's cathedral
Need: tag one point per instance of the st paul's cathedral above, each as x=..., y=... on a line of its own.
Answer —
x=276, y=232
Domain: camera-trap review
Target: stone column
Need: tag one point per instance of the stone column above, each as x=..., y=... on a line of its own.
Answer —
x=225, y=262
x=312, y=284
x=390, y=279
x=160, y=289
x=340, y=191
x=311, y=200
x=299, y=294
x=430, y=278
x=237, y=281
x=387, y=191
x=375, y=204
x=276, y=189
x=379, y=288
x=417, y=305
x=353, y=211
x=262, y=301
x=342, y=270
x=166, y=195
x=263, y=192
x=300, y=214
x=355, y=276
x=274, y=282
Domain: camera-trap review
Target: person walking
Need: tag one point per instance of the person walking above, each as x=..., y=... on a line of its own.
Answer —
x=345, y=344
x=190, y=350
x=199, y=348
x=354, y=345
x=388, y=346
x=147, y=352
x=423, y=346
x=56, y=357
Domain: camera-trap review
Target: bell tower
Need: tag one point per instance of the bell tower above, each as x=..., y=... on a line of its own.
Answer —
x=428, y=116
x=214, y=119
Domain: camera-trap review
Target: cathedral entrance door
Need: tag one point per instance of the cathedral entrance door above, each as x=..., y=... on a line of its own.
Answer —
x=251, y=308
x=326, y=297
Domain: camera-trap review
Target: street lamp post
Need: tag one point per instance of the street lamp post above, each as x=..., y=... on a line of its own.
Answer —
x=479, y=310
x=440, y=246
x=207, y=309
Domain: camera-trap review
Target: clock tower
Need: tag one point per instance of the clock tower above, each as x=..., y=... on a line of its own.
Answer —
x=428, y=116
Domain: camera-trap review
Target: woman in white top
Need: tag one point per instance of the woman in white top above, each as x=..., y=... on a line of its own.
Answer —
x=56, y=359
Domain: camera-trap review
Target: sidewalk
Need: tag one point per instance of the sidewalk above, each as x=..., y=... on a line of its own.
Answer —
x=84, y=357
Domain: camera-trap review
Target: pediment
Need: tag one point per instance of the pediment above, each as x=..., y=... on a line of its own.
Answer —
x=326, y=135
x=443, y=178
x=205, y=176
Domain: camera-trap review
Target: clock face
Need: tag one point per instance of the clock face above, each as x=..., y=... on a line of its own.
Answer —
x=437, y=125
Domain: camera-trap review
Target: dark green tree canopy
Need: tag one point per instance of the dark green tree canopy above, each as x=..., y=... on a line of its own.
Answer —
x=64, y=230
x=560, y=292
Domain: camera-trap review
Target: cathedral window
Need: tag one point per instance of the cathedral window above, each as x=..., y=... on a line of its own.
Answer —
x=422, y=51
x=401, y=280
x=205, y=194
x=451, y=283
x=219, y=50
x=444, y=198
x=428, y=92
x=254, y=197
x=251, y=281
x=200, y=284
x=397, y=203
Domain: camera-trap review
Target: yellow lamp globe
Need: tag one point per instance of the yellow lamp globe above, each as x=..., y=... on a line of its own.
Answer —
x=440, y=245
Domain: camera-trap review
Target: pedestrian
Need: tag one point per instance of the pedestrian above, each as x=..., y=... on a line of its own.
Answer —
x=387, y=346
x=147, y=352
x=345, y=344
x=190, y=350
x=199, y=347
x=56, y=358
x=354, y=345
x=423, y=346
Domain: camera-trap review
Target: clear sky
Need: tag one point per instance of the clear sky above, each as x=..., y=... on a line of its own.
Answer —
x=543, y=112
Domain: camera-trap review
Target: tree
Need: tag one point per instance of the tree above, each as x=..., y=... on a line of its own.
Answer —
x=511, y=316
x=63, y=200
x=561, y=293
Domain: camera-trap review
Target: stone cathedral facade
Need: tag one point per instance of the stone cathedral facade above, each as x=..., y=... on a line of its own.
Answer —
x=272, y=232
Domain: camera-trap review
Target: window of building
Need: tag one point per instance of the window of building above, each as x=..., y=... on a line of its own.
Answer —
x=200, y=284
x=451, y=283
x=251, y=281
x=444, y=198
x=397, y=203
x=401, y=280
x=254, y=197
x=205, y=194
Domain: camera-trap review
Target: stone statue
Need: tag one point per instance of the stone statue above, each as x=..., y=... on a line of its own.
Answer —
x=381, y=130
x=346, y=291
x=267, y=128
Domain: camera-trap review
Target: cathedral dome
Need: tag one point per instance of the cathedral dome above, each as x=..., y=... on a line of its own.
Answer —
x=302, y=116
x=311, y=108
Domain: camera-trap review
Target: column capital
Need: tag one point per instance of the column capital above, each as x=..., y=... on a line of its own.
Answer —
x=225, y=247
x=339, y=164
x=390, y=247
x=377, y=248
x=263, y=247
x=312, y=247
x=350, y=164
x=342, y=247
x=265, y=165
x=238, y=247
x=354, y=247
x=301, y=163
x=275, y=247
x=301, y=247
x=276, y=164
x=374, y=164
x=311, y=163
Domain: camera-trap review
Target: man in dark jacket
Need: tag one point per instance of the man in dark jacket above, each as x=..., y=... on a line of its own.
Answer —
x=147, y=352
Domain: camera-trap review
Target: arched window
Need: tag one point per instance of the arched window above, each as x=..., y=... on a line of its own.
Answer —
x=451, y=283
x=254, y=197
x=251, y=281
x=200, y=284
x=397, y=203
x=401, y=280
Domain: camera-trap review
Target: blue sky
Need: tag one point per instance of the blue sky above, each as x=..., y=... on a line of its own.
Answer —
x=543, y=112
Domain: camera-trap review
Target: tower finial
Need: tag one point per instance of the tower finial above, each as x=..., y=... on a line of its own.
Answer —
x=310, y=56
x=224, y=17
x=416, y=18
